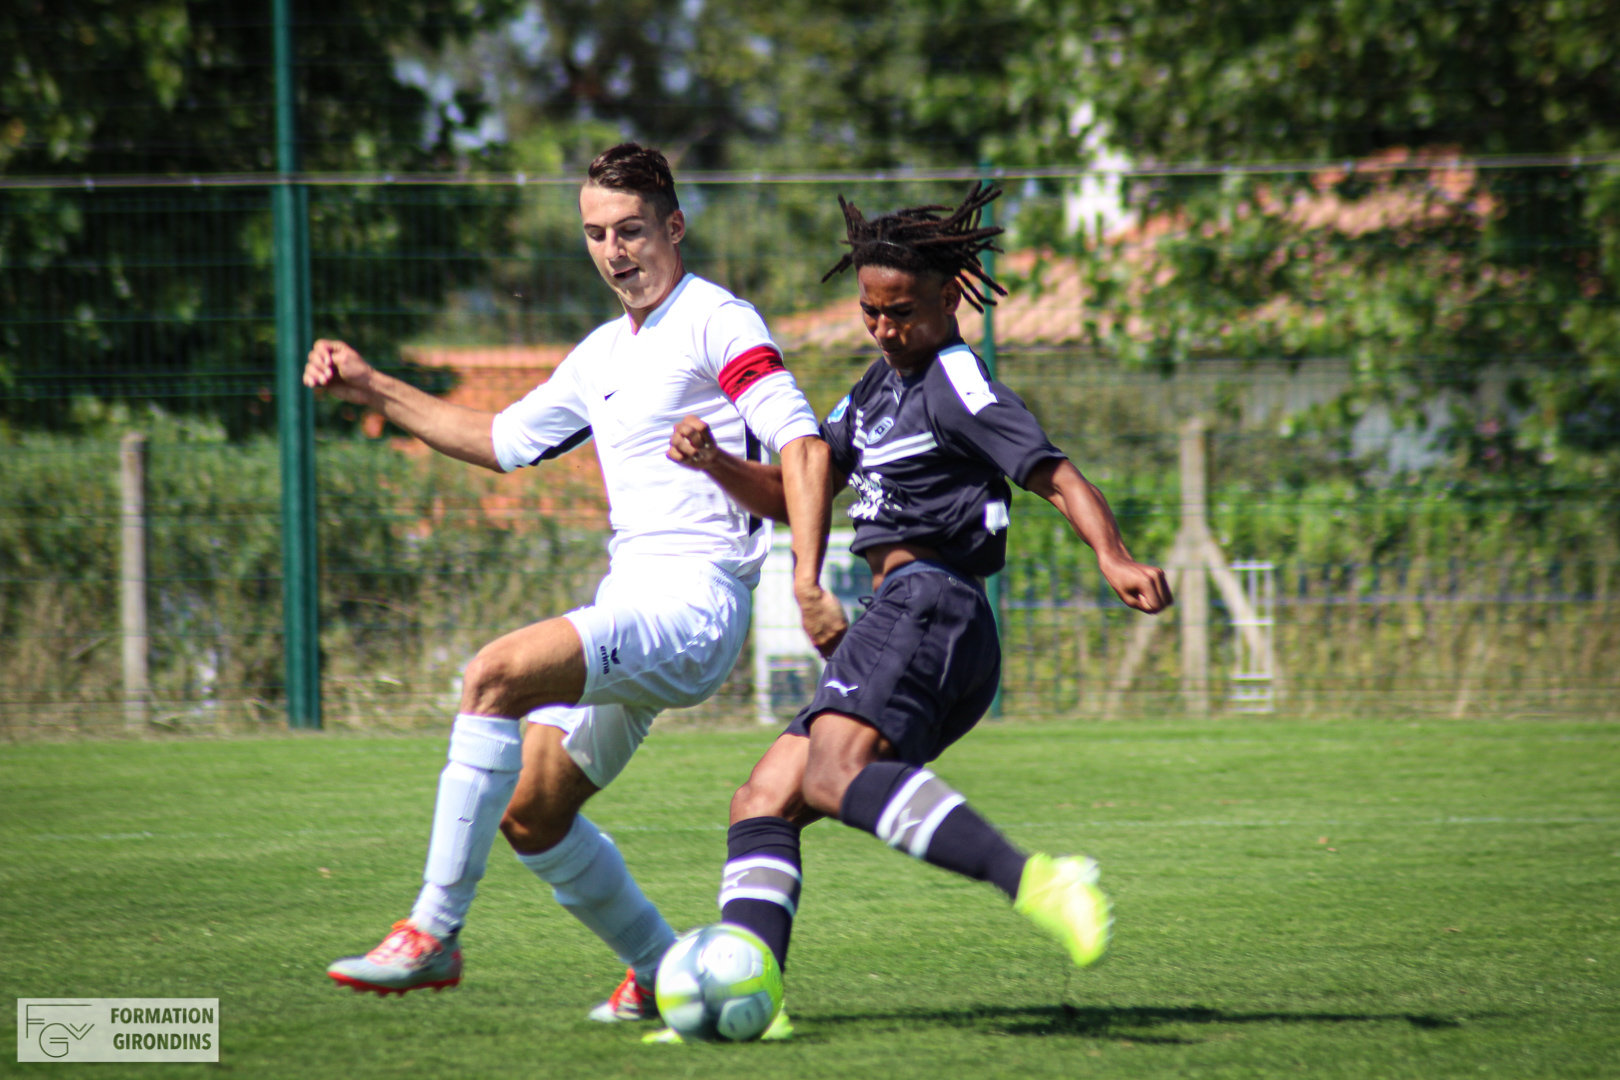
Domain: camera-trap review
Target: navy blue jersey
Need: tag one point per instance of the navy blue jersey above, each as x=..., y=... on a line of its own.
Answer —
x=929, y=456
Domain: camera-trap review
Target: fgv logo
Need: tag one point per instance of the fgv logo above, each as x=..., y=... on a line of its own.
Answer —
x=54, y=1027
x=117, y=1029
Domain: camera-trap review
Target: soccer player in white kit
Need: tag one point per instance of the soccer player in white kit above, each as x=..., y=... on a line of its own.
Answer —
x=670, y=617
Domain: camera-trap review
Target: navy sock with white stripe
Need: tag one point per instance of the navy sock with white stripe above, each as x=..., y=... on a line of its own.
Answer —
x=760, y=886
x=915, y=811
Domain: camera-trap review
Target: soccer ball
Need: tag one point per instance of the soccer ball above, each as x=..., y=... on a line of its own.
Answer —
x=719, y=982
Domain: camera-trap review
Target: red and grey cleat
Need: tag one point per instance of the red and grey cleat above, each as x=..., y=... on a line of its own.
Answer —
x=631, y=1001
x=407, y=959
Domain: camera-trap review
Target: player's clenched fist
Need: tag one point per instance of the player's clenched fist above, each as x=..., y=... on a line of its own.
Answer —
x=1142, y=587
x=692, y=444
x=334, y=366
x=823, y=617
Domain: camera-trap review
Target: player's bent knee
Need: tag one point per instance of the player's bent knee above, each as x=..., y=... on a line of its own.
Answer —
x=482, y=681
x=757, y=800
x=521, y=672
x=492, y=686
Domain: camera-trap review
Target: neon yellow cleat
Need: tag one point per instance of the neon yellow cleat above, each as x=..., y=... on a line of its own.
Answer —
x=781, y=1030
x=1061, y=897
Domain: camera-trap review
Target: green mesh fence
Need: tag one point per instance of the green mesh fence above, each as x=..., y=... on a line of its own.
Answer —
x=1396, y=366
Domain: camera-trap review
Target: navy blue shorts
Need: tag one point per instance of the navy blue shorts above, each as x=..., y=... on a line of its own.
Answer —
x=921, y=666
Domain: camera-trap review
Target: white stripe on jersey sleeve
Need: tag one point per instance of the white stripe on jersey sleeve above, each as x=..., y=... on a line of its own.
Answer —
x=962, y=369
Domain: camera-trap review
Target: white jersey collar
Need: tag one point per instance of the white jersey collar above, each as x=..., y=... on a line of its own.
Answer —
x=662, y=309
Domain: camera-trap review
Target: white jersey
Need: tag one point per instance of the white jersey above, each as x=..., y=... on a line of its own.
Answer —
x=702, y=352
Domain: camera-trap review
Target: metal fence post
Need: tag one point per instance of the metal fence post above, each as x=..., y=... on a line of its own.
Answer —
x=294, y=406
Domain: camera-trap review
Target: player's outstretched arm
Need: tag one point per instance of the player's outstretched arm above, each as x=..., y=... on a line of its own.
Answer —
x=334, y=367
x=1143, y=587
x=808, y=488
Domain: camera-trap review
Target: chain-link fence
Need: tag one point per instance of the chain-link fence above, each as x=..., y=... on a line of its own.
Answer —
x=1412, y=569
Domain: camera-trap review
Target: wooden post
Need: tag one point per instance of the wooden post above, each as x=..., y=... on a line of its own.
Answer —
x=1194, y=560
x=1192, y=599
x=132, y=579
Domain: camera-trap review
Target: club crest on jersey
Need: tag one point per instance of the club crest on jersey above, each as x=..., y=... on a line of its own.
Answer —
x=880, y=429
x=872, y=501
x=838, y=411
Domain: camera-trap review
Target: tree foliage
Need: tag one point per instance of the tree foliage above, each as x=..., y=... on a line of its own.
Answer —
x=1516, y=281
x=1246, y=80
x=165, y=293
x=1509, y=280
x=731, y=86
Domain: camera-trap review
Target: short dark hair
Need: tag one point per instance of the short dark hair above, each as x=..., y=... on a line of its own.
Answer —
x=638, y=169
x=927, y=240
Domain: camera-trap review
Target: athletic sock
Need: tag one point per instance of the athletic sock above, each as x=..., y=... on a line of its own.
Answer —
x=759, y=888
x=486, y=754
x=915, y=811
x=588, y=877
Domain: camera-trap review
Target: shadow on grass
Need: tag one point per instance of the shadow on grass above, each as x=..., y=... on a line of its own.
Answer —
x=1135, y=1023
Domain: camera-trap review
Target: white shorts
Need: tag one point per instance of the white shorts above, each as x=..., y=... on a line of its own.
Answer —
x=663, y=633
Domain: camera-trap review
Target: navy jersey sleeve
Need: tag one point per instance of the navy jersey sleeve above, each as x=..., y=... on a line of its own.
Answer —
x=985, y=419
x=838, y=430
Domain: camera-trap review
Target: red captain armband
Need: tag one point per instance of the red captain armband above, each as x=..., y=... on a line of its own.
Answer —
x=746, y=370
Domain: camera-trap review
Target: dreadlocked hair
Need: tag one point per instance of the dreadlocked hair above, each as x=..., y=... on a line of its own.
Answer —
x=927, y=239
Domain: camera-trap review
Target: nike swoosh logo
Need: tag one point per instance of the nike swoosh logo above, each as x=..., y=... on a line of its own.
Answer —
x=842, y=688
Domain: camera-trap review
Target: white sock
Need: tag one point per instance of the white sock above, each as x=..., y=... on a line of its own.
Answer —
x=486, y=754
x=588, y=877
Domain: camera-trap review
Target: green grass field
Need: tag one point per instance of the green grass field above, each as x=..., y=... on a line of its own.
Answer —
x=1347, y=899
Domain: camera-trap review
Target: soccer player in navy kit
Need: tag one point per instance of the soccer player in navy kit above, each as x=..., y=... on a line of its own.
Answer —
x=928, y=440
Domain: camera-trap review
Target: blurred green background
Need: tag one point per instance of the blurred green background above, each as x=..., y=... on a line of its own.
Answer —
x=1374, y=247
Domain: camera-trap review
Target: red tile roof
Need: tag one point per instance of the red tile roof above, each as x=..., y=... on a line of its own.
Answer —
x=490, y=378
